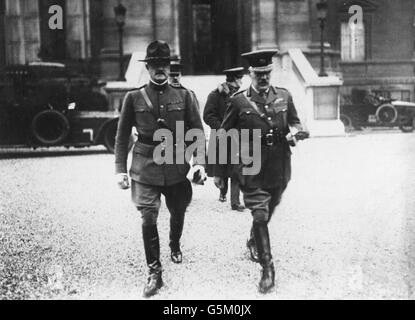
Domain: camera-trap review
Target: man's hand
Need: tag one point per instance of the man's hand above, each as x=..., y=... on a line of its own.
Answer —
x=302, y=135
x=199, y=175
x=219, y=182
x=123, y=181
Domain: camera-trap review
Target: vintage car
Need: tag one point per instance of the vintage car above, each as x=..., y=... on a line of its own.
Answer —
x=375, y=110
x=44, y=105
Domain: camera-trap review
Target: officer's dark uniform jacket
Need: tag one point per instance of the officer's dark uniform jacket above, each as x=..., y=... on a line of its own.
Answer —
x=249, y=110
x=180, y=86
x=171, y=104
x=217, y=103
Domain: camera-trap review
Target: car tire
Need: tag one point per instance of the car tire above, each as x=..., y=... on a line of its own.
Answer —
x=50, y=127
x=347, y=121
x=386, y=114
x=110, y=134
x=407, y=125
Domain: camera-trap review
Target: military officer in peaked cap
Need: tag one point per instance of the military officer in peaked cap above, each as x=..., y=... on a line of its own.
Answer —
x=216, y=105
x=175, y=73
x=270, y=109
x=156, y=105
x=175, y=77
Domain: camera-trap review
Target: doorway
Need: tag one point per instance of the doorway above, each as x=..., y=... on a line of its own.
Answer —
x=213, y=34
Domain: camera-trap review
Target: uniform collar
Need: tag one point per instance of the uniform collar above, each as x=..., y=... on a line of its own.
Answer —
x=158, y=87
x=176, y=85
x=253, y=88
x=255, y=95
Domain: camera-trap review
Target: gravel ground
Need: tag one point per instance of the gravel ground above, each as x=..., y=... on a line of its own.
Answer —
x=345, y=229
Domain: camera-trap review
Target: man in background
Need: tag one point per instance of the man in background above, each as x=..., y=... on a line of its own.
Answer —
x=216, y=105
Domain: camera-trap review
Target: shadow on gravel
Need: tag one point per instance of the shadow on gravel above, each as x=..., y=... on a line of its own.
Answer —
x=27, y=153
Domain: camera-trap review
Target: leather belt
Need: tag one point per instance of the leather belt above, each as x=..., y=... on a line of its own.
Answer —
x=151, y=142
x=148, y=140
x=272, y=138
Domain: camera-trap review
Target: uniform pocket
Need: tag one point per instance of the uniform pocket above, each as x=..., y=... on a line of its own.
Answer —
x=175, y=112
x=144, y=117
x=281, y=113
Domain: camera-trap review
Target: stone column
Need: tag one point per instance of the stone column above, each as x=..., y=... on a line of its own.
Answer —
x=22, y=31
x=264, y=24
x=2, y=34
x=78, y=37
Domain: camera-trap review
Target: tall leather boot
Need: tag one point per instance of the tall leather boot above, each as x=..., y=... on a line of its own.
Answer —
x=251, y=245
x=152, y=250
x=176, y=231
x=267, y=281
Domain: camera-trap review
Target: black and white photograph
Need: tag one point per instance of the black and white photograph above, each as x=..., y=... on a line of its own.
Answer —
x=207, y=150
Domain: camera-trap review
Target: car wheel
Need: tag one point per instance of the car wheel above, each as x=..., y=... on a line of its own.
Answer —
x=110, y=135
x=386, y=114
x=407, y=124
x=347, y=121
x=50, y=127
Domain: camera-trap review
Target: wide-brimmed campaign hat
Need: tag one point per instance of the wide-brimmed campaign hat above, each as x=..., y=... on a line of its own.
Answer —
x=260, y=60
x=158, y=50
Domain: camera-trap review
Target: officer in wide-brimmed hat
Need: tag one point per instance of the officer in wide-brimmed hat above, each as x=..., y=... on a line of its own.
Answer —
x=157, y=106
x=216, y=105
x=270, y=110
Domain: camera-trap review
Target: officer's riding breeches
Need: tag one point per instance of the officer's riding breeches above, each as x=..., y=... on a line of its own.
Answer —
x=148, y=202
x=262, y=202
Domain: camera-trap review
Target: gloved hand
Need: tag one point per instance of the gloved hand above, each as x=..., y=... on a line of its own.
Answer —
x=219, y=182
x=199, y=175
x=123, y=181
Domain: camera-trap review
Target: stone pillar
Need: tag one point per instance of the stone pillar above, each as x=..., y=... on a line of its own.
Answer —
x=22, y=31
x=2, y=34
x=78, y=36
x=317, y=99
x=165, y=26
x=294, y=28
x=264, y=24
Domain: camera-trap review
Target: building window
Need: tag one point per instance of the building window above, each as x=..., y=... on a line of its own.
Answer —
x=353, y=41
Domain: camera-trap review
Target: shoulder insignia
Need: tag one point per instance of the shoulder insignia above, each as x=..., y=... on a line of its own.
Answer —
x=281, y=89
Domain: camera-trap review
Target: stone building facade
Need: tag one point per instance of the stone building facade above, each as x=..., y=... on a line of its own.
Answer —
x=376, y=54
